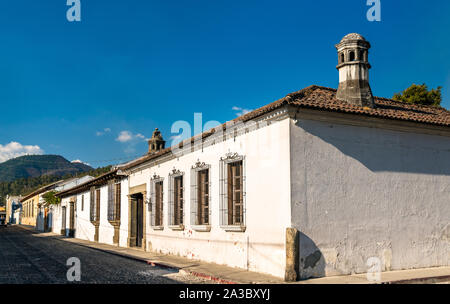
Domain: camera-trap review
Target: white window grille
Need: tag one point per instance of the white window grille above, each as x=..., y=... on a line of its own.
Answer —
x=92, y=204
x=176, y=199
x=232, y=192
x=114, y=193
x=95, y=204
x=156, y=201
x=200, y=195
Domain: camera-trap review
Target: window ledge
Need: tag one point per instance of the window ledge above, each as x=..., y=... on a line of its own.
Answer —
x=202, y=228
x=176, y=227
x=158, y=227
x=235, y=228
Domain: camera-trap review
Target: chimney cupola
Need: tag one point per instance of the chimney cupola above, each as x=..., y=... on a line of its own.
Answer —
x=353, y=66
x=156, y=143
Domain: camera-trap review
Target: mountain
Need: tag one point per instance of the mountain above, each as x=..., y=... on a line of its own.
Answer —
x=39, y=165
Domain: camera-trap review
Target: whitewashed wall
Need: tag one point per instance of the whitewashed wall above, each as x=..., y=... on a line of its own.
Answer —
x=360, y=192
x=106, y=230
x=123, y=236
x=262, y=246
x=84, y=229
x=56, y=211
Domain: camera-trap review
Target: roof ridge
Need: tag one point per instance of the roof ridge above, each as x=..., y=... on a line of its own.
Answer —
x=295, y=98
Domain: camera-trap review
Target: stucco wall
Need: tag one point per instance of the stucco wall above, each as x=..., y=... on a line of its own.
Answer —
x=262, y=246
x=56, y=211
x=360, y=192
x=84, y=230
x=123, y=234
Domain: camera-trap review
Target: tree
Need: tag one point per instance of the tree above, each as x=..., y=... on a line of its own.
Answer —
x=419, y=94
x=50, y=198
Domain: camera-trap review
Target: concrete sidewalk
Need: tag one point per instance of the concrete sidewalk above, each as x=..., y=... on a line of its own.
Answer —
x=230, y=275
x=413, y=276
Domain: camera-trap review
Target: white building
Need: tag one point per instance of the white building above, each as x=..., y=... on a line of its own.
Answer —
x=95, y=210
x=311, y=185
x=344, y=169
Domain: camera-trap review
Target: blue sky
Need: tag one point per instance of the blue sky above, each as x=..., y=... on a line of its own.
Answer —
x=129, y=66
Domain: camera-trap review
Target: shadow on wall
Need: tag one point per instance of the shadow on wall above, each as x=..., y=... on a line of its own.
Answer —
x=312, y=263
x=385, y=150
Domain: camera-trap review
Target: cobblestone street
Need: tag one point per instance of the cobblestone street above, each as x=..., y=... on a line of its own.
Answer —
x=27, y=257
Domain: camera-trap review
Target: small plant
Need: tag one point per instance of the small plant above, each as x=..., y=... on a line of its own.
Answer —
x=51, y=199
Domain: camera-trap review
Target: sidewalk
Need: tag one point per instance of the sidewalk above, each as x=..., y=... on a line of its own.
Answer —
x=412, y=276
x=225, y=274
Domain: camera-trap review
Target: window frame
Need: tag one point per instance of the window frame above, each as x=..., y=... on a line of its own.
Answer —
x=196, y=224
x=225, y=224
x=114, y=200
x=176, y=200
x=156, y=179
x=95, y=197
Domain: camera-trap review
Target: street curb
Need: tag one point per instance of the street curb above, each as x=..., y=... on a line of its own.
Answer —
x=424, y=280
x=157, y=264
x=209, y=277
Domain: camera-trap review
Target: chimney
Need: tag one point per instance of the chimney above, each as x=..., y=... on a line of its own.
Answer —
x=353, y=67
x=156, y=143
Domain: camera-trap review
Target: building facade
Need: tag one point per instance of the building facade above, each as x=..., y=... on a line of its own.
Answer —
x=315, y=184
x=29, y=209
x=94, y=210
x=12, y=204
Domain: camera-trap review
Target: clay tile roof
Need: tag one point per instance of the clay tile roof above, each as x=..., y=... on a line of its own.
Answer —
x=323, y=98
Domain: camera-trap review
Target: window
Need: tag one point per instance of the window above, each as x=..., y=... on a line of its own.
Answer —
x=157, y=201
x=176, y=199
x=352, y=56
x=82, y=202
x=114, y=192
x=342, y=58
x=233, y=192
x=200, y=190
x=203, y=197
x=95, y=204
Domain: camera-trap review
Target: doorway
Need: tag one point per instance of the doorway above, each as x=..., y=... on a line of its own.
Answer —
x=137, y=220
x=63, y=224
x=72, y=219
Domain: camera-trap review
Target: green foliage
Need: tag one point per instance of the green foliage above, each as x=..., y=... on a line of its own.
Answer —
x=419, y=95
x=50, y=198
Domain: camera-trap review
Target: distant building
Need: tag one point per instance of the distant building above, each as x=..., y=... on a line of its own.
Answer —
x=12, y=206
x=95, y=210
x=2, y=215
x=34, y=210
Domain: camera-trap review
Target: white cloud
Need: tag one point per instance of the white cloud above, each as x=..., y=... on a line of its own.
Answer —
x=80, y=162
x=130, y=140
x=240, y=111
x=125, y=136
x=105, y=130
x=15, y=149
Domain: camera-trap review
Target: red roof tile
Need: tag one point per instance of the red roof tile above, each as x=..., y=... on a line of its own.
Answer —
x=322, y=98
